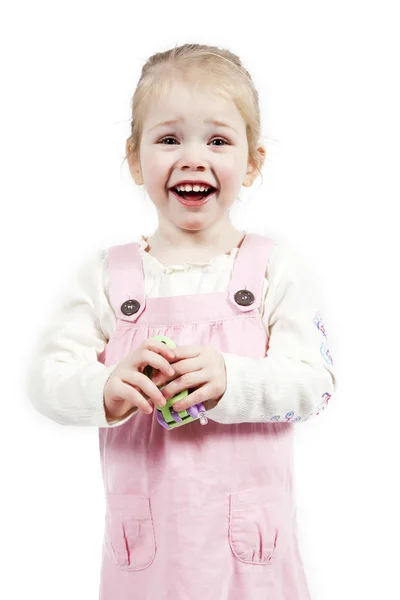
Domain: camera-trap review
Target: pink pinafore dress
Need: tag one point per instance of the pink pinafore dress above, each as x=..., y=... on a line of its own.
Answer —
x=200, y=512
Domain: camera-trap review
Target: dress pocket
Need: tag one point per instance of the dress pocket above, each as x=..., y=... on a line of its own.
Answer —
x=257, y=524
x=130, y=531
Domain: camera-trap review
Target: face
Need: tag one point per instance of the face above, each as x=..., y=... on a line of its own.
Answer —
x=193, y=148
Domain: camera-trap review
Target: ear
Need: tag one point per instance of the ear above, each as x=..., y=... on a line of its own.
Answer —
x=134, y=165
x=252, y=172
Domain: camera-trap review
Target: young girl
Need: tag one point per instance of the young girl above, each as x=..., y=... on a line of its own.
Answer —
x=201, y=511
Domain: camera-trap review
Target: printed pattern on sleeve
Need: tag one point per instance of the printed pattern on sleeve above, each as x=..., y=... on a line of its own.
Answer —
x=324, y=347
x=290, y=417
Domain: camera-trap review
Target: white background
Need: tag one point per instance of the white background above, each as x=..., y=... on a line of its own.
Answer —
x=328, y=78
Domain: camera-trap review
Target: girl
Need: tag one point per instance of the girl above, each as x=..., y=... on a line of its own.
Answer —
x=201, y=511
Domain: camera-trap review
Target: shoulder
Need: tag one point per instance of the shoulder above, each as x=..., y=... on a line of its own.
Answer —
x=287, y=269
x=122, y=249
x=93, y=265
x=286, y=261
x=290, y=275
x=118, y=248
x=121, y=253
x=88, y=277
x=281, y=258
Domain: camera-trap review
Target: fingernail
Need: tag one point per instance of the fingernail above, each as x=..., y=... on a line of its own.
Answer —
x=171, y=371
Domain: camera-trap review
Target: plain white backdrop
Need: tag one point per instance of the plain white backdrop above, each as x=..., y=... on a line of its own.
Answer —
x=327, y=74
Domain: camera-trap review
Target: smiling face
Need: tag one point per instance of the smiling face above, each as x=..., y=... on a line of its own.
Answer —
x=204, y=141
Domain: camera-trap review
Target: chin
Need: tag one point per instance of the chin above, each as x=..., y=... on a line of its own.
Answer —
x=194, y=224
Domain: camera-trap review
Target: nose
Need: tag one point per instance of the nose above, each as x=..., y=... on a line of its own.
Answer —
x=192, y=158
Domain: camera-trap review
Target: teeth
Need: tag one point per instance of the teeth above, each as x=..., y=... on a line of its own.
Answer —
x=192, y=188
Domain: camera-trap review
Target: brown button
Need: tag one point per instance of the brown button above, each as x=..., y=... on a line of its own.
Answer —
x=130, y=307
x=244, y=298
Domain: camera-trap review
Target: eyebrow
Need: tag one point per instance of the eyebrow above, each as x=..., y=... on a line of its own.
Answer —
x=207, y=122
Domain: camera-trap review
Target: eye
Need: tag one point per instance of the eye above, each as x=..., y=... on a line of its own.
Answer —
x=163, y=140
x=220, y=140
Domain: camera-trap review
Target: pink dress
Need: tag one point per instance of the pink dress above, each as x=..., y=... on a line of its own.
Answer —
x=198, y=512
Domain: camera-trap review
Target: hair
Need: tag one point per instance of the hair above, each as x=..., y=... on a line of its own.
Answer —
x=210, y=68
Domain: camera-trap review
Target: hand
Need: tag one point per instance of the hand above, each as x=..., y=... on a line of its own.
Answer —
x=198, y=367
x=127, y=385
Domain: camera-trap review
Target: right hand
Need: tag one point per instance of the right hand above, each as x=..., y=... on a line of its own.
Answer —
x=127, y=385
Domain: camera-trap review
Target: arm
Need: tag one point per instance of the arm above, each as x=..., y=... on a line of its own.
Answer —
x=297, y=377
x=64, y=379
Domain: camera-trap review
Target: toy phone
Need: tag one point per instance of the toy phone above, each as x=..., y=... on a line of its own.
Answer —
x=166, y=415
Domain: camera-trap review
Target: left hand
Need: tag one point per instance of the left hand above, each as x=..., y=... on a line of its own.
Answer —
x=198, y=367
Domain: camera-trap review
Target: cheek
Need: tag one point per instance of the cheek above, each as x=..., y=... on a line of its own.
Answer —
x=155, y=173
x=230, y=175
x=232, y=166
x=154, y=162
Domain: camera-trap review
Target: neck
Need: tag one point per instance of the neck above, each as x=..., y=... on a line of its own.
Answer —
x=172, y=247
x=219, y=240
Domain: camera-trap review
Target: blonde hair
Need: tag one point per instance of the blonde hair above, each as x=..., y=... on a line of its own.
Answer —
x=198, y=65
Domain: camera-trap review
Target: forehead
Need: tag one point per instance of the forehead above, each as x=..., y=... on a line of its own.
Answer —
x=191, y=105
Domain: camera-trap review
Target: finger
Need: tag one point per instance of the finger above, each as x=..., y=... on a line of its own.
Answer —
x=156, y=347
x=161, y=348
x=185, y=382
x=156, y=361
x=182, y=352
x=136, y=399
x=124, y=398
x=145, y=385
x=181, y=368
x=201, y=394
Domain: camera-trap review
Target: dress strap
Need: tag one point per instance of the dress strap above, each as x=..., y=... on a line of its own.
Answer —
x=127, y=292
x=245, y=289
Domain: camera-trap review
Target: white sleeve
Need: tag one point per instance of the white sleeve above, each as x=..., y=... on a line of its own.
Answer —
x=64, y=379
x=297, y=377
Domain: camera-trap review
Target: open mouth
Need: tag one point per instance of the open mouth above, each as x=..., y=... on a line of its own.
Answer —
x=193, y=196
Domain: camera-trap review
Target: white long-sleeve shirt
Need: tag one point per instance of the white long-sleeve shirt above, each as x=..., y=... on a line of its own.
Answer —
x=65, y=380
